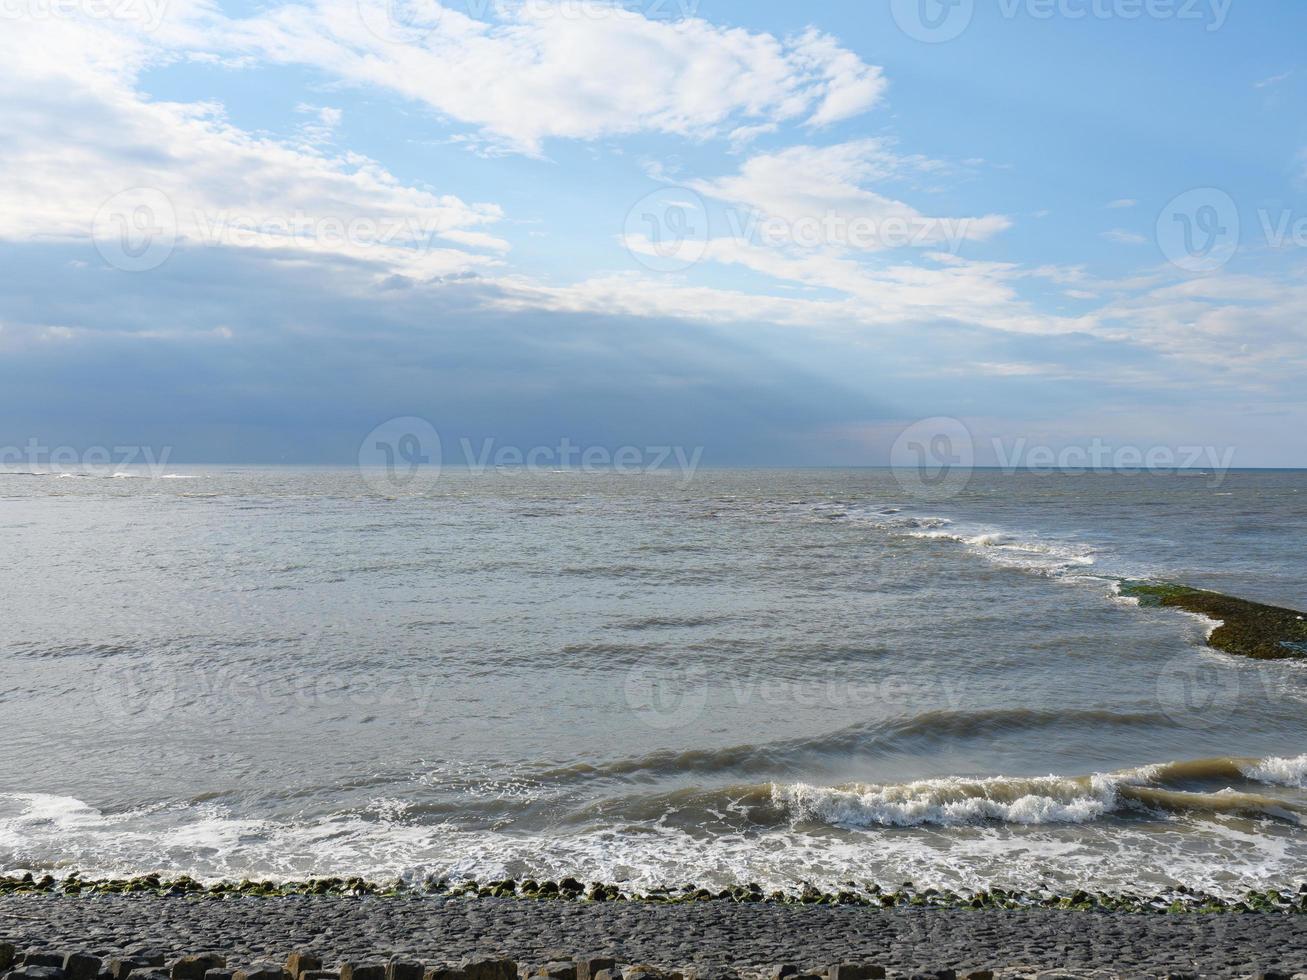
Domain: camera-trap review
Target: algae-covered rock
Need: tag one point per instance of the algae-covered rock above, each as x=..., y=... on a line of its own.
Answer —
x=1248, y=629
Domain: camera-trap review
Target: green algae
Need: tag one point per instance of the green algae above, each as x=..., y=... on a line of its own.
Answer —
x=1248, y=629
x=1179, y=900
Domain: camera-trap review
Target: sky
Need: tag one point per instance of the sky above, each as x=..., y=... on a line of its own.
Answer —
x=782, y=234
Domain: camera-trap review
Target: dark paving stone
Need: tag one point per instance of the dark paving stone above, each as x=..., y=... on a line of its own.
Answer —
x=742, y=936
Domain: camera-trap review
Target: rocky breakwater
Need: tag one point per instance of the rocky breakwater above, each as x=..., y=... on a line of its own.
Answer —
x=148, y=964
x=1247, y=629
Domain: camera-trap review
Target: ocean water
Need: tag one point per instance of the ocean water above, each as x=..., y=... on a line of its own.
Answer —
x=772, y=676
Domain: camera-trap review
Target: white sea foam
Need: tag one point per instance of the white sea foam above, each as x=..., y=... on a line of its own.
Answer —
x=991, y=539
x=39, y=832
x=959, y=802
x=1279, y=771
x=1208, y=624
x=951, y=802
x=1026, y=552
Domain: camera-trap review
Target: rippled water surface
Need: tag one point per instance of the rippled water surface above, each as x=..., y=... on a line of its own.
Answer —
x=773, y=676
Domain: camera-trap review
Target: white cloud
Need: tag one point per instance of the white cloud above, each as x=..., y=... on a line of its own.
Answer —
x=953, y=289
x=1253, y=328
x=1124, y=237
x=817, y=196
x=84, y=135
x=1273, y=80
x=537, y=71
x=743, y=135
x=852, y=86
x=1124, y=202
x=1016, y=369
x=323, y=122
x=812, y=206
x=298, y=199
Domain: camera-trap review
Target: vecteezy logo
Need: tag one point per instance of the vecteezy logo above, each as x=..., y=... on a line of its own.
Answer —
x=933, y=21
x=136, y=229
x=933, y=458
x=666, y=697
x=399, y=21
x=1194, y=689
x=396, y=453
x=667, y=229
x=1199, y=230
x=134, y=690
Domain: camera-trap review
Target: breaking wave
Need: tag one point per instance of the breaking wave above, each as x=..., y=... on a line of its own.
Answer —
x=956, y=801
x=1155, y=824
x=1024, y=552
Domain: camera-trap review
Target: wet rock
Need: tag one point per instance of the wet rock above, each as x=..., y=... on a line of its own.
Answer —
x=978, y=975
x=643, y=971
x=36, y=973
x=121, y=967
x=587, y=967
x=81, y=966
x=260, y=971
x=1142, y=936
x=486, y=968
x=195, y=967
x=1248, y=629
x=301, y=962
x=404, y=970
x=36, y=957
x=219, y=975
x=855, y=971
x=710, y=973
x=147, y=956
x=320, y=975
x=7, y=954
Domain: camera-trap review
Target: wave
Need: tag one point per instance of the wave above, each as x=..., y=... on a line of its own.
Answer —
x=119, y=475
x=47, y=474
x=946, y=802
x=1278, y=772
x=1024, y=552
x=1097, y=832
x=863, y=740
x=1037, y=556
x=956, y=801
x=671, y=622
x=1200, y=788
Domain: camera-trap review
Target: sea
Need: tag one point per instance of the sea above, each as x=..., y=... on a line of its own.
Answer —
x=651, y=679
